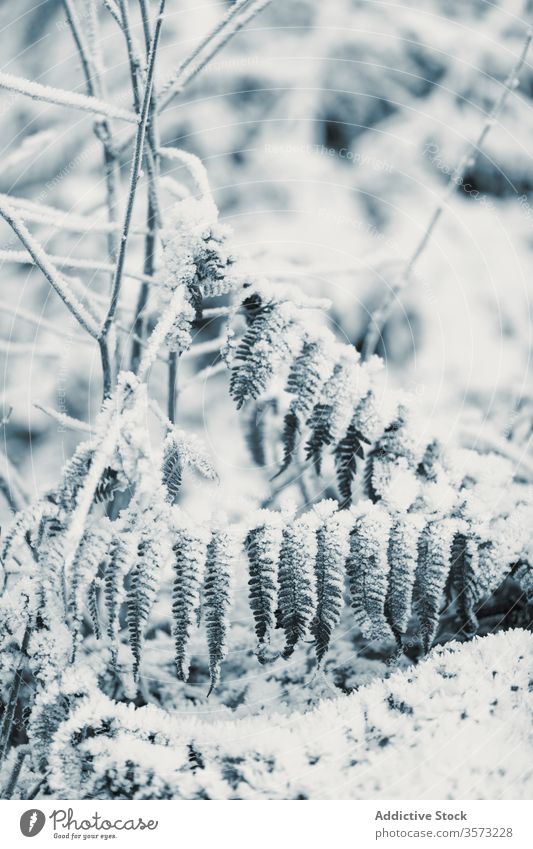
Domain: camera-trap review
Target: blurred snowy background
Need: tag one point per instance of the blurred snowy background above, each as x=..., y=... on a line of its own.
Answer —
x=328, y=131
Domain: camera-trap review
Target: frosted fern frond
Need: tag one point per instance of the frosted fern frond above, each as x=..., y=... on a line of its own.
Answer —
x=108, y=485
x=178, y=338
x=391, y=466
x=347, y=452
x=402, y=554
x=196, y=253
x=261, y=349
x=332, y=414
x=194, y=454
x=332, y=550
x=431, y=456
x=291, y=432
x=142, y=590
x=297, y=594
x=319, y=424
x=122, y=553
x=262, y=546
x=308, y=372
x=23, y=527
x=465, y=576
x=256, y=428
x=91, y=553
x=196, y=262
x=182, y=449
x=50, y=553
x=46, y=718
x=189, y=550
x=524, y=576
x=73, y=475
x=217, y=600
x=434, y=561
x=93, y=607
x=172, y=469
x=368, y=569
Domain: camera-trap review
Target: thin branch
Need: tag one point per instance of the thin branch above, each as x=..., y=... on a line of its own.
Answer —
x=112, y=7
x=193, y=163
x=205, y=347
x=469, y=158
x=62, y=419
x=153, y=218
x=89, y=71
x=23, y=258
x=12, y=485
x=157, y=337
x=61, y=97
x=214, y=41
x=40, y=322
x=49, y=270
x=171, y=389
x=204, y=374
x=235, y=19
x=134, y=179
x=41, y=213
x=102, y=128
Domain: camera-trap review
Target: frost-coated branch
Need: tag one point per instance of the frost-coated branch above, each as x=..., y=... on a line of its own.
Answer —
x=12, y=485
x=66, y=220
x=63, y=420
x=83, y=48
x=102, y=128
x=160, y=332
x=153, y=215
x=60, y=97
x=47, y=267
x=240, y=13
x=235, y=19
x=380, y=316
x=134, y=179
x=194, y=164
x=22, y=258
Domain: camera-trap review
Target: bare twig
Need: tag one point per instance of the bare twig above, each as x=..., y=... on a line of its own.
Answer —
x=12, y=485
x=112, y=7
x=153, y=208
x=239, y=14
x=40, y=213
x=469, y=157
x=102, y=128
x=63, y=420
x=60, y=97
x=153, y=216
x=23, y=258
x=204, y=374
x=42, y=323
x=193, y=164
x=235, y=19
x=171, y=390
x=49, y=270
x=134, y=179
